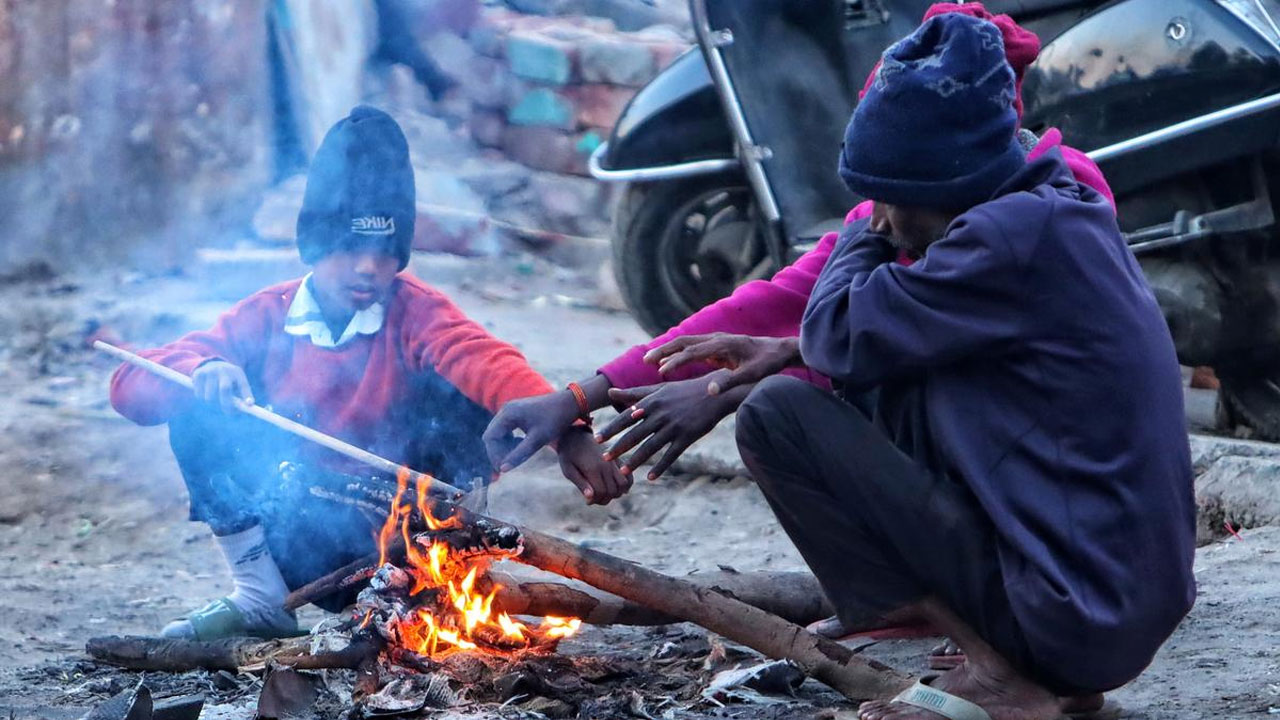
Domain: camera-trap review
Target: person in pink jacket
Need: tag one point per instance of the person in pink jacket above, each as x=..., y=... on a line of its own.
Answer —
x=672, y=373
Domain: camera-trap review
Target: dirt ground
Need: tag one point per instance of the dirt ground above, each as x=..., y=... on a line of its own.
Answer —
x=94, y=541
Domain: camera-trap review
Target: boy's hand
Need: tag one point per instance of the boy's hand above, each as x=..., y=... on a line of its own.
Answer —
x=673, y=414
x=221, y=383
x=542, y=419
x=599, y=480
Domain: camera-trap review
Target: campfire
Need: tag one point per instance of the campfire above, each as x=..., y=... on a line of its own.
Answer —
x=440, y=600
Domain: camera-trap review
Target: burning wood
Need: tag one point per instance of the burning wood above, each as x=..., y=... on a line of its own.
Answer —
x=715, y=608
x=440, y=601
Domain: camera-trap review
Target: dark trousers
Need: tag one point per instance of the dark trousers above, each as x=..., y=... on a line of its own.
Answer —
x=232, y=467
x=871, y=509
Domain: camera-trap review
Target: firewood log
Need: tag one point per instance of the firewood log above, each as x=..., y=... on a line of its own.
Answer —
x=176, y=655
x=795, y=596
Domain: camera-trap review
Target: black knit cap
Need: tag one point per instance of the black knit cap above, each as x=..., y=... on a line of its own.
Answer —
x=360, y=189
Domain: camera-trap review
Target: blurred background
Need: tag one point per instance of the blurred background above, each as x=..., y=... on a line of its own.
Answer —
x=140, y=133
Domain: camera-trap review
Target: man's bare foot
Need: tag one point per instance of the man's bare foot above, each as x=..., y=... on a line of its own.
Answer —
x=946, y=655
x=1004, y=695
x=1080, y=704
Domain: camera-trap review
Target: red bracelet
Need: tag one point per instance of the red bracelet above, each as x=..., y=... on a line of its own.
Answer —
x=580, y=395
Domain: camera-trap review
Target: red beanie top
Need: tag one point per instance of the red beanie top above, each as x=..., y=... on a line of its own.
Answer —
x=1021, y=46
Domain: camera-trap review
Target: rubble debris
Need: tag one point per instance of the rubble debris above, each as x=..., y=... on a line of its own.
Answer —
x=752, y=684
x=410, y=692
x=287, y=693
x=137, y=704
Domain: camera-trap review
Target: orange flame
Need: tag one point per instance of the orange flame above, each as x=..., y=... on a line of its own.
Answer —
x=466, y=619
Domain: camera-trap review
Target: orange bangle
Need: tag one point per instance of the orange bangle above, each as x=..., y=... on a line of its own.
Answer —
x=580, y=395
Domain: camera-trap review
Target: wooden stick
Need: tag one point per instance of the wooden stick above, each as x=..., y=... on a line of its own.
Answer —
x=829, y=662
x=795, y=596
x=437, y=487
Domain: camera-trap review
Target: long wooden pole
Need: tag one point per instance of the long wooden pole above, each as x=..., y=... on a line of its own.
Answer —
x=438, y=487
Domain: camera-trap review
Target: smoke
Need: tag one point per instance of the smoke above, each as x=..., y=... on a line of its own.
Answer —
x=125, y=126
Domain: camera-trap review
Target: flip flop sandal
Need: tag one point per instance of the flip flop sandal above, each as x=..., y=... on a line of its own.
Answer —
x=222, y=619
x=945, y=704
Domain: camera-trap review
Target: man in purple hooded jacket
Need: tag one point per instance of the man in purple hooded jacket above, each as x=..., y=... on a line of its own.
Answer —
x=1024, y=479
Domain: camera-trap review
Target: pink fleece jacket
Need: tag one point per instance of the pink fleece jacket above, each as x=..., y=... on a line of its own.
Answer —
x=773, y=308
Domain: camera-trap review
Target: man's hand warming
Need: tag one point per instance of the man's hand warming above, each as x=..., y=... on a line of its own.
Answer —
x=598, y=479
x=751, y=359
x=542, y=418
x=673, y=415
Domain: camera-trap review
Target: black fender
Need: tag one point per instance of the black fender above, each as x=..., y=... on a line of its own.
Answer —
x=676, y=118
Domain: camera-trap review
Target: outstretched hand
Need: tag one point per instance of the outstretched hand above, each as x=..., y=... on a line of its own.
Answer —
x=541, y=418
x=751, y=359
x=672, y=415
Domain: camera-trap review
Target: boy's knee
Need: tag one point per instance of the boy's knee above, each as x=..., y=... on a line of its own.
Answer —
x=767, y=406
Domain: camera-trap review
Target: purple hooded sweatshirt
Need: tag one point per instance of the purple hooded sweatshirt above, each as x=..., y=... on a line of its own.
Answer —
x=772, y=308
x=1053, y=391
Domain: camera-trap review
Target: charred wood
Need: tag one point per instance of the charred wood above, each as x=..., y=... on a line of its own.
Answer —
x=153, y=653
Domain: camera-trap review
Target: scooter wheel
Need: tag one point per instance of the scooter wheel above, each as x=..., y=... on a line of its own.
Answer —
x=679, y=245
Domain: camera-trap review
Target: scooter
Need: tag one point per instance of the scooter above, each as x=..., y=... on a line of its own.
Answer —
x=727, y=158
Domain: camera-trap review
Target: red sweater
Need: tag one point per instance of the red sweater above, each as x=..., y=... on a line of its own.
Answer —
x=352, y=391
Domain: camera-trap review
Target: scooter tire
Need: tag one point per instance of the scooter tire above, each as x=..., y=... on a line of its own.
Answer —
x=644, y=215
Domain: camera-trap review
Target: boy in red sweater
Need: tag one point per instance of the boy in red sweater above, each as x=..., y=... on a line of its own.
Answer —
x=357, y=349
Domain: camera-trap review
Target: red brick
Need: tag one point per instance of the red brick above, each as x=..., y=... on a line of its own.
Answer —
x=599, y=105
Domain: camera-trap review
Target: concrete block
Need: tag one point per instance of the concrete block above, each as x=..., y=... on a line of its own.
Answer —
x=541, y=148
x=542, y=107
x=598, y=105
x=537, y=56
x=665, y=42
x=441, y=186
x=666, y=53
x=451, y=216
x=486, y=82
x=572, y=205
x=493, y=177
x=628, y=15
x=486, y=127
x=451, y=230
x=1241, y=490
x=620, y=63
x=482, y=80
x=488, y=39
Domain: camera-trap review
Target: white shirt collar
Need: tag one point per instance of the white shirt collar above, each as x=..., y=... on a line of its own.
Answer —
x=305, y=318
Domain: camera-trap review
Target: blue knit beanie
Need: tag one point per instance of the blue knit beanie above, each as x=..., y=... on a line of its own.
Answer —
x=360, y=190
x=937, y=128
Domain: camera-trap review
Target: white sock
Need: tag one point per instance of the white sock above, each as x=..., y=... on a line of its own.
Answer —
x=259, y=586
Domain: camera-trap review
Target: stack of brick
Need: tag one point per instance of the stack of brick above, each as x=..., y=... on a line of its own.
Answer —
x=548, y=90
